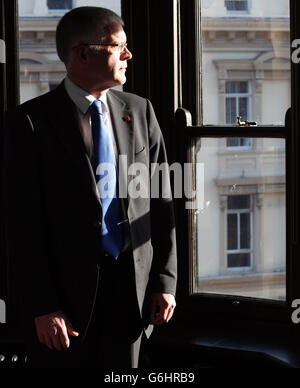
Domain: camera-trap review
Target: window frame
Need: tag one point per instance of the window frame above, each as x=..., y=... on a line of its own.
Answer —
x=230, y=306
x=188, y=117
x=9, y=100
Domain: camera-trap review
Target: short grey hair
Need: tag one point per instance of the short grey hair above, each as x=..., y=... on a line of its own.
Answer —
x=83, y=25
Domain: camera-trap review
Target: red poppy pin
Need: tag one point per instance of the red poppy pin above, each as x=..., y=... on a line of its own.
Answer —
x=127, y=118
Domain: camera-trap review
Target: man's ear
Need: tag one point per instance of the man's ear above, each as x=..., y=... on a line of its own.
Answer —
x=80, y=53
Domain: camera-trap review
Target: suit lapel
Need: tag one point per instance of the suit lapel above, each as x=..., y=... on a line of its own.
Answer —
x=64, y=113
x=122, y=121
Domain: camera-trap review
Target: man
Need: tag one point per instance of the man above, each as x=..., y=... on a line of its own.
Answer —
x=88, y=305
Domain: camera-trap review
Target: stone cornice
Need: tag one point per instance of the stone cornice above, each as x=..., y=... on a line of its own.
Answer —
x=266, y=180
x=38, y=24
x=37, y=68
x=209, y=24
x=246, y=24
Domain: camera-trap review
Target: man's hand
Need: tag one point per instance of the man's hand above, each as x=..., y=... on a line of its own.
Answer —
x=161, y=308
x=53, y=329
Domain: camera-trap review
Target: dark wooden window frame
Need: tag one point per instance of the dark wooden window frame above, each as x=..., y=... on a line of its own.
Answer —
x=9, y=98
x=233, y=308
x=211, y=305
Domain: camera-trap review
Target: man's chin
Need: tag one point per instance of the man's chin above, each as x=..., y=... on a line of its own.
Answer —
x=122, y=80
x=117, y=82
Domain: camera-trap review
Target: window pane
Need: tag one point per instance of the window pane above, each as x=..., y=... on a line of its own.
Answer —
x=245, y=142
x=239, y=202
x=59, y=4
x=236, y=5
x=231, y=113
x=40, y=67
x=238, y=142
x=243, y=108
x=239, y=260
x=232, y=226
x=231, y=87
x=245, y=231
x=236, y=87
x=233, y=142
x=245, y=53
x=242, y=87
x=240, y=232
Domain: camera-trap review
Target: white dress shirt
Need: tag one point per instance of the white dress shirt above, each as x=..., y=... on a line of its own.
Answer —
x=82, y=100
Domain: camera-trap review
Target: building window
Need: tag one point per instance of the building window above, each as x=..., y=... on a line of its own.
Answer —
x=237, y=104
x=237, y=101
x=237, y=5
x=238, y=142
x=57, y=5
x=239, y=231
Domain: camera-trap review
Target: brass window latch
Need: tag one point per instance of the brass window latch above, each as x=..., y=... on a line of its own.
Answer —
x=245, y=123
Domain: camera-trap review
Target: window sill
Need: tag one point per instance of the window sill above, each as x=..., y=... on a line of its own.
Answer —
x=182, y=347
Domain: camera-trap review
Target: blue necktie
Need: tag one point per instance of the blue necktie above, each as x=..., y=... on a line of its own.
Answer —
x=107, y=182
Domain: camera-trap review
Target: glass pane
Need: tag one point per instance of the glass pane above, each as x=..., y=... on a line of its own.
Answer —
x=243, y=108
x=233, y=142
x=239, y=202
x=236, y=5
x=245, y=50
x=59, y=4
x=245, y=142
x=245, y=230
x=232, y=233
x=40, y=67
x=240, y=229
x=236, y=87
x=239, y=142
x=231, y=112
x=239, y=260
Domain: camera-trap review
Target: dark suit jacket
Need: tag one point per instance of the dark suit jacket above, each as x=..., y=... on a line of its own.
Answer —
x=53, y=213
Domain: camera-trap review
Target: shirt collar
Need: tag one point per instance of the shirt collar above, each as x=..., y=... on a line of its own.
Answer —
x=81, y=98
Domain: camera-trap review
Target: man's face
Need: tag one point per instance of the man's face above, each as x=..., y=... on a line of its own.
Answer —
x=107, y=64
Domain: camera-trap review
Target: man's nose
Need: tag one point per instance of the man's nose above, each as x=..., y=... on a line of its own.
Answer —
x=126, y=54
